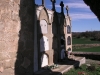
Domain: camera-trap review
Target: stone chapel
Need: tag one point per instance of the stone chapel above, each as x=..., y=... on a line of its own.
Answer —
x=53, y=35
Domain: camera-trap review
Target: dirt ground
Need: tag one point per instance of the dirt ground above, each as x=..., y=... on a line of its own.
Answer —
x=90, y=61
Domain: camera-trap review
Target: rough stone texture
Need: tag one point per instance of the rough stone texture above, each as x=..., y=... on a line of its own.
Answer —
x=16, y=36
x=8, y=71
x=1, y=69
x=94, y=6
x=9, y=31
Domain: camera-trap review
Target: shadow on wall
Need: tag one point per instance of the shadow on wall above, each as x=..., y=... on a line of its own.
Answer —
x=55, y=39
x=24, y=59
x=58, y=43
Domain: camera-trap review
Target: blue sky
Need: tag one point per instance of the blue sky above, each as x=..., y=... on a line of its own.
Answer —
x=82, y=17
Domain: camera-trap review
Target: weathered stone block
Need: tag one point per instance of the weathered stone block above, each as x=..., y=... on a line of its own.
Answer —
x=1, y=69
x=10, y=46
x=16, y=7
x=12, y=26
x=1, y=35
x=13, y=61
x=9, y=26
x=17, y=1
x=1, y=63
x=2, y=46
x=5, y=14
x=16, y=26
x=13, y=54
x=7, y=64
x=10, y=37
x=4, y=56
x=15, y=16
x=2, y=26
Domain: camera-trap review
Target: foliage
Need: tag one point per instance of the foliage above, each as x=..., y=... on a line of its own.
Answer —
x=93, y=35
x=83, y=70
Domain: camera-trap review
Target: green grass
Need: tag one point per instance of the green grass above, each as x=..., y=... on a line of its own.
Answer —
x=83, y=41
x=92, y=49
x=83, y=69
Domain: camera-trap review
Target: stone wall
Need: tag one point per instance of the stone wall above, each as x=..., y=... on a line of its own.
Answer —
x=16, y=36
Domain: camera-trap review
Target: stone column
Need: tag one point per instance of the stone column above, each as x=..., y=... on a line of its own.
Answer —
x=43, y=3
x=53, y=4
x=62, y=5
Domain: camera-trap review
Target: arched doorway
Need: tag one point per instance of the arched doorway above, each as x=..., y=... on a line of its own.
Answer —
x=62, y=53
x=68, y=40
x=44, y=60
x=43, y=26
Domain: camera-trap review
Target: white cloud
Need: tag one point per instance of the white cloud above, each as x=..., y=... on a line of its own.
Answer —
x=78, y=16
x=74, y=4
x=77, y=5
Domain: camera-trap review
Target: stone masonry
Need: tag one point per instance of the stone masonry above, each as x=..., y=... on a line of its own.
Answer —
x=16, y=36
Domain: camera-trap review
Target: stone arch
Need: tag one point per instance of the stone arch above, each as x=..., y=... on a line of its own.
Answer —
x=44, y=15
x=43, y=26
x=62, y=53
x=44, y=60
x=68, y=29
x=69, y=40
x=69, y=49
x=44, y=44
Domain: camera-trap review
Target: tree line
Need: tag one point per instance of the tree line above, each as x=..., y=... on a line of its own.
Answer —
x=93, y=35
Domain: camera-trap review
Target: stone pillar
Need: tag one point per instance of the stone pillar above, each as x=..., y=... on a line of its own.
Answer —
x=43, y=3
x=62, y=5
x=67, y=10
x=53, y=4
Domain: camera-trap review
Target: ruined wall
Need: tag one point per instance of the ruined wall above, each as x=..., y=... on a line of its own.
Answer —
x=16, y=37
x=9, y=31
x=94, y=6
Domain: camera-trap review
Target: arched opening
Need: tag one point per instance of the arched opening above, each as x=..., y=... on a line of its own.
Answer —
x=69, y=40
x=44, y=44
x=69, y=49
x=68, y=29
x=44, y=60
x=62, y=53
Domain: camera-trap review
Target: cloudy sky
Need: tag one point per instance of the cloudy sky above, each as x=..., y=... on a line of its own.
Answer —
x=82, y=17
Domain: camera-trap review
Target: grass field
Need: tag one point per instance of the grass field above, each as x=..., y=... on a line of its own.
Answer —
x=83, y=70
x=92, y=49
x=83, y=41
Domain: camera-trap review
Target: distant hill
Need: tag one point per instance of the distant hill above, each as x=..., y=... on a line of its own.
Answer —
x=93, y=35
